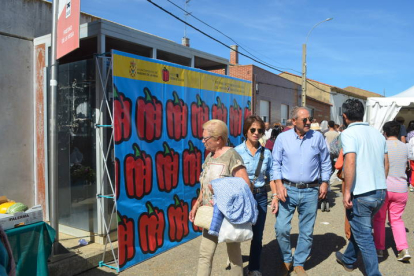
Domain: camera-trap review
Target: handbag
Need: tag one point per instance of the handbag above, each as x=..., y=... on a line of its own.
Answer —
x=204, y=216
x=235, y=232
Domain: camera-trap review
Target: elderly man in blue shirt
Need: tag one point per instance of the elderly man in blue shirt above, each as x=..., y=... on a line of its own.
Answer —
x=301, y=170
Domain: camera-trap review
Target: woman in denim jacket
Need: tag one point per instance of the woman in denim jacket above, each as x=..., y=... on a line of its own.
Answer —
x=250, y=150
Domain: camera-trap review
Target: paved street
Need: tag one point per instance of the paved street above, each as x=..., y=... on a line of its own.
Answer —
x=328, y=238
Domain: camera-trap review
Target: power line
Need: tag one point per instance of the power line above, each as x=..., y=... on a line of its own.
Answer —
x=307, y=81
x=215, y=39
x=190, y=14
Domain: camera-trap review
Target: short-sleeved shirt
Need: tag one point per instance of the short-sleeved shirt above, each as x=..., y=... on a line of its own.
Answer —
x=397, y=156
x=369, y=146
x=330, y=136
x=403, y=132
x=219, y=167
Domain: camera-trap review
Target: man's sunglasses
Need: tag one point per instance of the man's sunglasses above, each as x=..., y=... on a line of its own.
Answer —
x=259, y=130
x=306, y=119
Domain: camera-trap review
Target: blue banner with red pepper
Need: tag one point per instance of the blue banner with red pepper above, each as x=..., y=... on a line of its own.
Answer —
x=159, y=111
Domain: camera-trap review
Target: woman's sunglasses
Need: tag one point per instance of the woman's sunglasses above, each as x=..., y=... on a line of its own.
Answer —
x=259, y=130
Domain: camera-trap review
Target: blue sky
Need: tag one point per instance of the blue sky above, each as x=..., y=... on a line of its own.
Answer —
x=369, y=44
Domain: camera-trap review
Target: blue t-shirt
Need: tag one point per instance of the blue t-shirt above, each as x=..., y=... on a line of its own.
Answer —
x=369, y=146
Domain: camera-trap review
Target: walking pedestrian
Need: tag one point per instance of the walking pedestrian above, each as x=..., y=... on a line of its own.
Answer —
x=300, y=159
x=396, y=197
x=365, y=170
x=258, y=162
x=222, y=161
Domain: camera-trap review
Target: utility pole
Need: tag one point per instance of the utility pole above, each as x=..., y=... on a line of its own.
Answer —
x=53, y=149
x=304, y=65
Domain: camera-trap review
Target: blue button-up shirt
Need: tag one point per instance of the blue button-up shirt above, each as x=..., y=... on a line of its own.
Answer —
x=251, y=162
x=301, y=160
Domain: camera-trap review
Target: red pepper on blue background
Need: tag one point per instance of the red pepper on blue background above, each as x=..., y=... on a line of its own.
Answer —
x=151, y=227
x=177, y=118
x=191, y=165
x=148, y=117
x=235, y=119
x=138, y=173
x=122, y=117
x=199, y=115
x=117, y=178
x=178, y=220
x=219, y=111
x=248, y=110
x=126, y=239
x=167, y=163
x=193, y=201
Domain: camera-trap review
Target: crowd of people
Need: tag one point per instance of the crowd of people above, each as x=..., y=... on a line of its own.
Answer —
x=295, y=162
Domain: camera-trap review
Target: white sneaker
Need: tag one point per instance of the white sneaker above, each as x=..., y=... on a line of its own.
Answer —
x=254, y=273
x=403, y=255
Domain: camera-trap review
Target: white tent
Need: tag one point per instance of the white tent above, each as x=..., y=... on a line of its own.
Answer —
x=381, y=110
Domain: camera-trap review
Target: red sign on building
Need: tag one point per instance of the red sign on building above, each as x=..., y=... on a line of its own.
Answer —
x=68, y=27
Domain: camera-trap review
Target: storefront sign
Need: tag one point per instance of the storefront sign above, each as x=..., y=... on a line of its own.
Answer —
x=67, y=27
x=159, y=110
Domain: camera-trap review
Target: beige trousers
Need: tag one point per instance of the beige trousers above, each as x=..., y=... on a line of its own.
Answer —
x=208, y=247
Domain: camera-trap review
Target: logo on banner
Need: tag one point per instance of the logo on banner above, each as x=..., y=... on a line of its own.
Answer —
x=68, y=8
x=133, y=68
x=165, y=75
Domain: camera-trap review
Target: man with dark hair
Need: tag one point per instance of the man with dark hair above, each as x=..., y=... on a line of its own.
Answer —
x=365, y=170
x=300, y=160
x=403, y=131
x=331, y=134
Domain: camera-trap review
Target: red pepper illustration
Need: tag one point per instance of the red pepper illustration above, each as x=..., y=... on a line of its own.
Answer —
x=235, y=119
x=167, y=163
x=151, y=227
x=219, y=111
x=191, y=165
x=165, y=74
x=138, y=173
x=178, y=220
x=193, y=201
x=247, y=110
x=177, y=118
x=117, y=176
x=199, y=115
x=126, y=239
x=148, y=117
x=122, y=117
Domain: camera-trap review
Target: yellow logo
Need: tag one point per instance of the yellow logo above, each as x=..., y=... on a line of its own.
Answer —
x=132, y=68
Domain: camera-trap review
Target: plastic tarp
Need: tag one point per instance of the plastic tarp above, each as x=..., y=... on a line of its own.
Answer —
x=31, y=245
x=381, y=110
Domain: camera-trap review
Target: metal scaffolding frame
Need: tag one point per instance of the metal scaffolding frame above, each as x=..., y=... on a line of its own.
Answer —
x=105, y=150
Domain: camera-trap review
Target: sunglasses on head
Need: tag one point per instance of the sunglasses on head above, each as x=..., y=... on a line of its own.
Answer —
x=259, y=130
x=306, y=119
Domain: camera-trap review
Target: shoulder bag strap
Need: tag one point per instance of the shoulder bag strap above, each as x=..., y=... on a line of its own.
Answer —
x=259, y=165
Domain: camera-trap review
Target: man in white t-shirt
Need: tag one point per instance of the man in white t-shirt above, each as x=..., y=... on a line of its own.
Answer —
x=331, y=134
x=365, y=170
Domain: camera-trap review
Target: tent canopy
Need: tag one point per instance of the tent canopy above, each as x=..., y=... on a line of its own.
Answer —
x=381, y=110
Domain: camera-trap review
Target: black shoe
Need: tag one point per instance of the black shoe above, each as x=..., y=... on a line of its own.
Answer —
x=347, y=267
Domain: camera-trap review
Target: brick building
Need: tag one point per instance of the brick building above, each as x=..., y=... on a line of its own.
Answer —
x=274, y=96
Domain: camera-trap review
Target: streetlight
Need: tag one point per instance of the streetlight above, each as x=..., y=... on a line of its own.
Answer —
x=304, y=63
